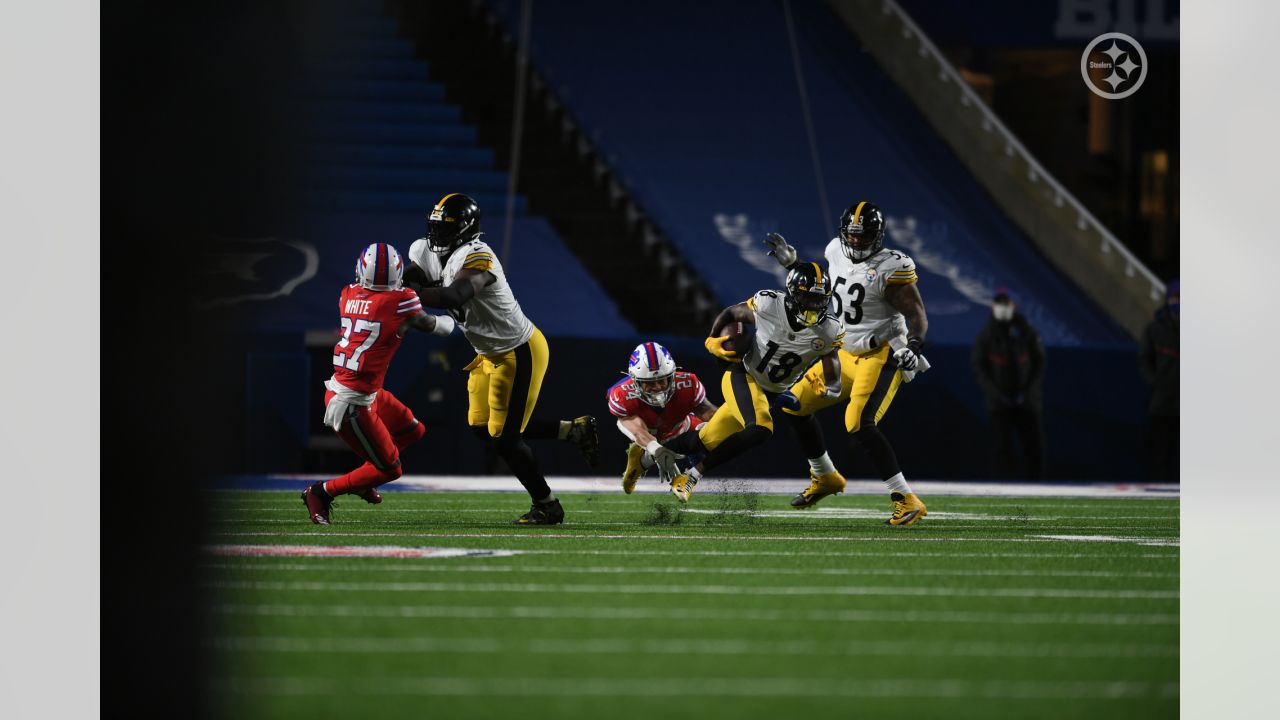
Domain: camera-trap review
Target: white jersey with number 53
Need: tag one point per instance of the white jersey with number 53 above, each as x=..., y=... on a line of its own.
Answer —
x=858, y=296
x=780, y=354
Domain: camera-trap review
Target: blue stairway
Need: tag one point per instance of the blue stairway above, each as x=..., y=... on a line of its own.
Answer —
x=383, y=137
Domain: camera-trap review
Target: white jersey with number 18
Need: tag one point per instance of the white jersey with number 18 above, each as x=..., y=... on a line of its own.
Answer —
x=780, y=353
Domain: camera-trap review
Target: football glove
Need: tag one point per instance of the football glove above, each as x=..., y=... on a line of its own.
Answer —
x=664, y=457
x=715, y=346
x=788, y=401
x=780, y=250
x=909, y=357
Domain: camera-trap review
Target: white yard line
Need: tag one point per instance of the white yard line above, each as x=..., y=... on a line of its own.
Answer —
x=682, y=687
x=668, y=570
x=687, y=590
x=1111, y=539
x=684, y=646
x=893, y=613
x=539, y=534
x=761, y=553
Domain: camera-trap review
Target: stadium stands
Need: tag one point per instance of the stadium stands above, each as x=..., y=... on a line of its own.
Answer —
x=721, y=156
x=384, y=145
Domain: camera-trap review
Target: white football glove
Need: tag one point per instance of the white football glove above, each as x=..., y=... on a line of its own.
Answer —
x=907, y=359
x=665, y=458
x=779, y=249
x=444, y=325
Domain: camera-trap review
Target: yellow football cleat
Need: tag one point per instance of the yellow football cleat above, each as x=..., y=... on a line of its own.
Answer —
x=822, y=486
x=907, y=509
x=634, y=469
x=681, y=487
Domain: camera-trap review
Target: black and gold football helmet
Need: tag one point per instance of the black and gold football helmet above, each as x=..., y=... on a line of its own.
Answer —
x=454, y=221
x=808, y=293
x=861, y=231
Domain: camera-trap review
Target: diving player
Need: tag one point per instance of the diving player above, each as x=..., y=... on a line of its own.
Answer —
x=793, y=331
x=654, y=403
x=884, y=315
x=511, y=354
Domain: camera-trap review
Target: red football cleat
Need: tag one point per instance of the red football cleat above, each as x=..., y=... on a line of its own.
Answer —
x=371, y=496
x=318, y=502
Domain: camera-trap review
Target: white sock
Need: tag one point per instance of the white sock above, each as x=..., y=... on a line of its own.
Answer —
x=822, y=465
x=549, y=498
x=563, y=433
x=898, y=483
x=694, y=475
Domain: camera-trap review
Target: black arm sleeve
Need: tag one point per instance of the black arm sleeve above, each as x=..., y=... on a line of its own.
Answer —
x=452, y=297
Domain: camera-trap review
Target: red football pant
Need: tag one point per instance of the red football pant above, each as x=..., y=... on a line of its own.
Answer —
x=377, y=433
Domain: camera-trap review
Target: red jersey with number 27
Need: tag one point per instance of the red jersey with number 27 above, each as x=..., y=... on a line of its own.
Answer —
x=666, y=422
x=370, y=321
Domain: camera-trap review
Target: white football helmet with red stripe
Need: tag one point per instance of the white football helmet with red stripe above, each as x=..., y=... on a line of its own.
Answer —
x=654, y=371
x=379, y=267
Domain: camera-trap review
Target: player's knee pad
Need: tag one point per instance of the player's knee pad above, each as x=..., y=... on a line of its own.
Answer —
x=410, y=435
x=391, y=473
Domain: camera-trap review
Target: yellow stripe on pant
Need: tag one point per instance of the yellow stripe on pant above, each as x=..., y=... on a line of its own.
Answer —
x=862, y=381
x=741, y=395
x=500, y=385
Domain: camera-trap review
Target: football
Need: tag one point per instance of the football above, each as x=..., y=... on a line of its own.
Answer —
x=739, y=337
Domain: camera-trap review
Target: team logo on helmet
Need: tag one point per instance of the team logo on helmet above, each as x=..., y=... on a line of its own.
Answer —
x=653, y=370
x=379, y=267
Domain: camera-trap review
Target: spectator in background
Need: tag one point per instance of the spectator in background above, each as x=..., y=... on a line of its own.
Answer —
x=1008, y=363
x=1159, y=365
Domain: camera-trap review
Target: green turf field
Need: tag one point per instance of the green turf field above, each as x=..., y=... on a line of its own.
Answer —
x=735, y=606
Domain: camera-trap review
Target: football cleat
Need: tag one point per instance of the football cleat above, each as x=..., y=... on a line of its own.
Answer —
x=635, y=470
x=583, y=434
x=318, y=503
x=820, y=487
x=682, y=487
x=542, y=514
x=907, y=509
x=371, y=496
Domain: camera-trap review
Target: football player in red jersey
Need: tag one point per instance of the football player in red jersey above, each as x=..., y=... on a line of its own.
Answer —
x=376, y=312
x=654, y=403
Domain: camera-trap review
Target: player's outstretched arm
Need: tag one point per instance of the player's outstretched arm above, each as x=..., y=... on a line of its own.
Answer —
x=780, y=250
x=435, y=324
x=665, y=457
x=634, y=428
x=464, y=287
